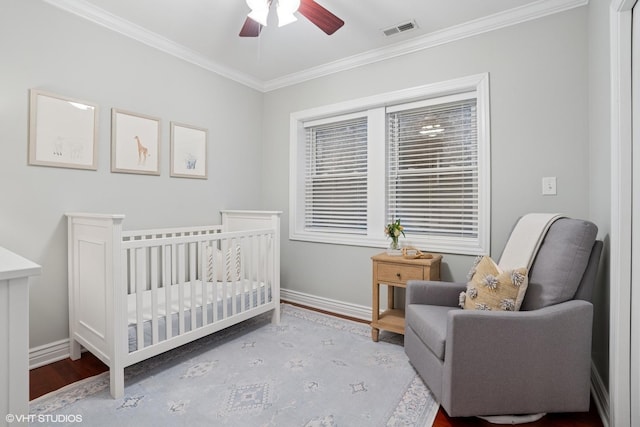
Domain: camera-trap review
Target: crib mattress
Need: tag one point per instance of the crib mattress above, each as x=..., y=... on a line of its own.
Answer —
x=252, y=292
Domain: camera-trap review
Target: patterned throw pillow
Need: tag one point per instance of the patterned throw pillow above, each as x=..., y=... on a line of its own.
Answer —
x=232, y=261
x=490, y=288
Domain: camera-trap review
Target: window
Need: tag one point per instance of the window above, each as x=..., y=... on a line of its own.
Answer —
x=432, y=179
x=421, y=155
x=336, y=176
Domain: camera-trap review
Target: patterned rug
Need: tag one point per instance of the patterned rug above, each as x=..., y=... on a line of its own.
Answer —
x=310, y=370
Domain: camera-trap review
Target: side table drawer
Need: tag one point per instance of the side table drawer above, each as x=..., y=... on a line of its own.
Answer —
x=398, y=273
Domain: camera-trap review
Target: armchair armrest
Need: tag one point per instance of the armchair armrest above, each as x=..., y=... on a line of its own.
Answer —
x=434, y=292
x=545, y=352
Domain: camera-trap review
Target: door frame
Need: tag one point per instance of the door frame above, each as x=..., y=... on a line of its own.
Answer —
x=620, y=379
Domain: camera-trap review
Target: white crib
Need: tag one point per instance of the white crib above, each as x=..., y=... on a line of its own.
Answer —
x=136, y=294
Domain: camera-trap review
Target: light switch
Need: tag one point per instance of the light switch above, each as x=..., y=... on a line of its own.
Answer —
x=549, y=186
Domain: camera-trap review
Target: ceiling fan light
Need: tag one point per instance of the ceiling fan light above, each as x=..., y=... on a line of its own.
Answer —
x=259, y=11
x=260, y=16
x=289, y=6
x=285, y=18
x=257, y=4
x=286, y=9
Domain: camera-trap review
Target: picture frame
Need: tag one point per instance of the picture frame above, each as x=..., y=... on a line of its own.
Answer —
x=135, y=143
x=63, y=131
x=188, y=151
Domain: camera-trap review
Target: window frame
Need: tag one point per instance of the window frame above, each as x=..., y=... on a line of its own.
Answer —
x=375, y=108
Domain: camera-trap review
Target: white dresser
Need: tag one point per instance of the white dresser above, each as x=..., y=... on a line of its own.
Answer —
x=14, y=333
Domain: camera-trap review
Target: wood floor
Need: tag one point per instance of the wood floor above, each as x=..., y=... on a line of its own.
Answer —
x=56, y=375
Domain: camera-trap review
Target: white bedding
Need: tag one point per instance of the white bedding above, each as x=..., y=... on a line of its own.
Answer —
x=219, y=289
x=248, y=293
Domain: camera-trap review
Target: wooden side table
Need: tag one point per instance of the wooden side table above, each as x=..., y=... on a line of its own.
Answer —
x=395, y=271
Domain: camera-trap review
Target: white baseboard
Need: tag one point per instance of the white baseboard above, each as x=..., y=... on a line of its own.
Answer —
x=48, y=353
x=600, y=395
x=327, y=304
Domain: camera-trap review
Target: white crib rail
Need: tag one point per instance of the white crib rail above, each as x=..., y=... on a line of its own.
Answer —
x=154, y=268
x=107, y=266
x=158, y=233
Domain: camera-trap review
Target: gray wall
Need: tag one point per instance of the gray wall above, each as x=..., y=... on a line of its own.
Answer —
x=539, y=127
x=43, y=47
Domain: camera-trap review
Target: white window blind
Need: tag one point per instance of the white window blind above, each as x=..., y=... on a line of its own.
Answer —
x=336, y=176
x=432, y=178
x=420, y=154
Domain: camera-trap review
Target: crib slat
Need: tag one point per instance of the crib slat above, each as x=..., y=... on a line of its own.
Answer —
x=224, y=246
x=132, y=278
x=203, y=252
x=214, y=281
x=271, y=273
x=180, y=283
x=154, y=295
x=255, y=256
x=270, y=280
x=216, y=292
x=265, y=272
x=174, y=264
x=259, y=270
x=243, y=275
x=166, y=284
x=211, y=277
x=234, y=279
x=258, y=266
x=192, y=284
x=140, y=275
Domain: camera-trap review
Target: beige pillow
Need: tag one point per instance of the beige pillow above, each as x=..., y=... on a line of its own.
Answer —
x=490, y=288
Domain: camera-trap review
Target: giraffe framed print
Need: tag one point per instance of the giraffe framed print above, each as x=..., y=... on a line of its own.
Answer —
x=135, y=143
x=188, y=151
x=63, y=131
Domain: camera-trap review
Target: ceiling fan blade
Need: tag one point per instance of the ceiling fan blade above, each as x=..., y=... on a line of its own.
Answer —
x=250, y=28
x=325, y=20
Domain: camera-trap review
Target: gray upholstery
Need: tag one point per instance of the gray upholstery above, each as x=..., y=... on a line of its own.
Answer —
x=560, y=263
x=430, y=324
x=497, y=363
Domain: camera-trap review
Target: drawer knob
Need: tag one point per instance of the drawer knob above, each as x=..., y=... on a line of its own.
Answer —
x=398, y=274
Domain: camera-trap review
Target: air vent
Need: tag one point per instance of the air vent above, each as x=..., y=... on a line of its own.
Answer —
x=400, y=28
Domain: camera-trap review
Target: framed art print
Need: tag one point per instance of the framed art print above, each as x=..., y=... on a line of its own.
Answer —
x=135, y=143
x=62, y=131
x=188, y=151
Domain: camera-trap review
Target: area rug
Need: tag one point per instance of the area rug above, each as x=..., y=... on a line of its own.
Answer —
x=310, y=370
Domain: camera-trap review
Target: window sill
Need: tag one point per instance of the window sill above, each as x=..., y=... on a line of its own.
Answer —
x=427, y=244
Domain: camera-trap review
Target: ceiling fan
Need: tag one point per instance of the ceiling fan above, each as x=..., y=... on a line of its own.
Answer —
x=321, y=17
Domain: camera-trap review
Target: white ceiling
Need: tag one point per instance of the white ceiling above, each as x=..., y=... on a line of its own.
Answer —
x=205, y=32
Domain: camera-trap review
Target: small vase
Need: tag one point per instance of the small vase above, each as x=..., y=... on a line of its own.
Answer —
x=394, y=248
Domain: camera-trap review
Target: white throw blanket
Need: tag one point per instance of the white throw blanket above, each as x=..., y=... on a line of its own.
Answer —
x=523, y=244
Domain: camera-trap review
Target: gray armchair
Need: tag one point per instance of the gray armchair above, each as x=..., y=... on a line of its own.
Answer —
x=536, y=360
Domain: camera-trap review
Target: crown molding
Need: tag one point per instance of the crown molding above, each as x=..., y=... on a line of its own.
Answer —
x=510, y=17
x=119, y=25
x=497, y=21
